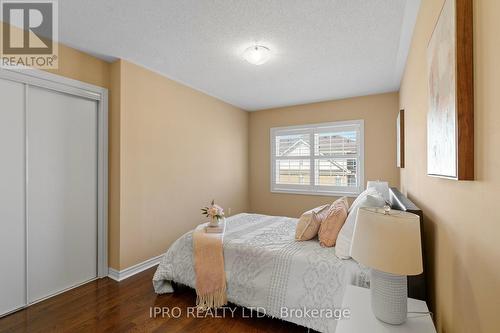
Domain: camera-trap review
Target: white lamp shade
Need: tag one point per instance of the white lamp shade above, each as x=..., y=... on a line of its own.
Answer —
x=388, y=242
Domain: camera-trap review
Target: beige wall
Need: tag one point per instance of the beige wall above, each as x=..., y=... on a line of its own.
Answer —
x=114, y=140
x=83, y=67
x=462, y=223
x=179, y=149
x=379, y=113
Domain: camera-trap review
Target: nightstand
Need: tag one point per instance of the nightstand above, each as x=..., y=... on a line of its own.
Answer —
x=358, y=301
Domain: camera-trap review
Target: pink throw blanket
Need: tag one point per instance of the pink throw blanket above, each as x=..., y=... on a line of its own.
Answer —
x=209, y=268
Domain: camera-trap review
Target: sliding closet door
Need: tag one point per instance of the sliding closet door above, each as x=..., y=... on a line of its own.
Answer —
x=12, y=175
x=62, y=191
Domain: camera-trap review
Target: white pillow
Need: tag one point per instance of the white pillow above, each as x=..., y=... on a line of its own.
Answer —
x=344, y=239
x=361, y=197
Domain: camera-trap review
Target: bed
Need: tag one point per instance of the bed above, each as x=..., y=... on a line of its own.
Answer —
x=268, y=271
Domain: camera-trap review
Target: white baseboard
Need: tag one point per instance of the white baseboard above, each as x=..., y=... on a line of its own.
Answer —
x=132, y=270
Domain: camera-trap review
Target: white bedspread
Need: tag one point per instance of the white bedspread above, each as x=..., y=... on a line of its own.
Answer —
x=267, y=269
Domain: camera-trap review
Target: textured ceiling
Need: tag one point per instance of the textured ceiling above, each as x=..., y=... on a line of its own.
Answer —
x=321, y=49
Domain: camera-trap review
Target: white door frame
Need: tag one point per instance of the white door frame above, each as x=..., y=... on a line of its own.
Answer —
x=39, y=78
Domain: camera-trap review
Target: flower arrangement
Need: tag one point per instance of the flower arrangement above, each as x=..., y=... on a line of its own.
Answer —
x=214, y=212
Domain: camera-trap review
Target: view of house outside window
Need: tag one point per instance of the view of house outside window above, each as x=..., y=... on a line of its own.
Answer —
x=319, y=158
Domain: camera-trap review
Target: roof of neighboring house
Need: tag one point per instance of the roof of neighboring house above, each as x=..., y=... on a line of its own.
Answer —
x=296, y=144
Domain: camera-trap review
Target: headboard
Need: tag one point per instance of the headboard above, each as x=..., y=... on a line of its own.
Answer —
x=416, y=284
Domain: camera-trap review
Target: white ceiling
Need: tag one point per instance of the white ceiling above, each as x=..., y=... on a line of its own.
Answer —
x=321, y=49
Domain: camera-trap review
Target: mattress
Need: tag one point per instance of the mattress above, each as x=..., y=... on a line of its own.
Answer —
x=268, y=271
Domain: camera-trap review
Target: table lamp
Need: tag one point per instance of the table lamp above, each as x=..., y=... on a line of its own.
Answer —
x=388, y=241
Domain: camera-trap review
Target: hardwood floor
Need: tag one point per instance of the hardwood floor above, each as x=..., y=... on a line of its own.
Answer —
x=109, y=306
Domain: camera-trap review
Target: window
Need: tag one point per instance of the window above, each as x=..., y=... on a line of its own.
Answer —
x=322, y=159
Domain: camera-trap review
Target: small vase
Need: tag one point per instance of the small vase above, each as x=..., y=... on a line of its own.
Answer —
x=214, y=222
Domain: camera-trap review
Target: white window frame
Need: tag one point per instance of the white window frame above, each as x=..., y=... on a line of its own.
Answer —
x=312, y=129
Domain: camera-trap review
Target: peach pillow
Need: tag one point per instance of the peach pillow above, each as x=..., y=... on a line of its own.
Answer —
x=331, y=225
x=309, y=223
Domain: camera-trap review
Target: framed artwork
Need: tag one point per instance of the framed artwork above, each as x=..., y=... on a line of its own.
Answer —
x=450, y=119
x=400, y=141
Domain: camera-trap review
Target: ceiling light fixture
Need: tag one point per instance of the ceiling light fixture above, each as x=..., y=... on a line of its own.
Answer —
x=257, y=54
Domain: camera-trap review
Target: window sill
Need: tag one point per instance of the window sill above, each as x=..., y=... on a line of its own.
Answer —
x=324, y=194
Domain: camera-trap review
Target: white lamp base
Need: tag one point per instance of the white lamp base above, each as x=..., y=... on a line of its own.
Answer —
x=389, y=297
